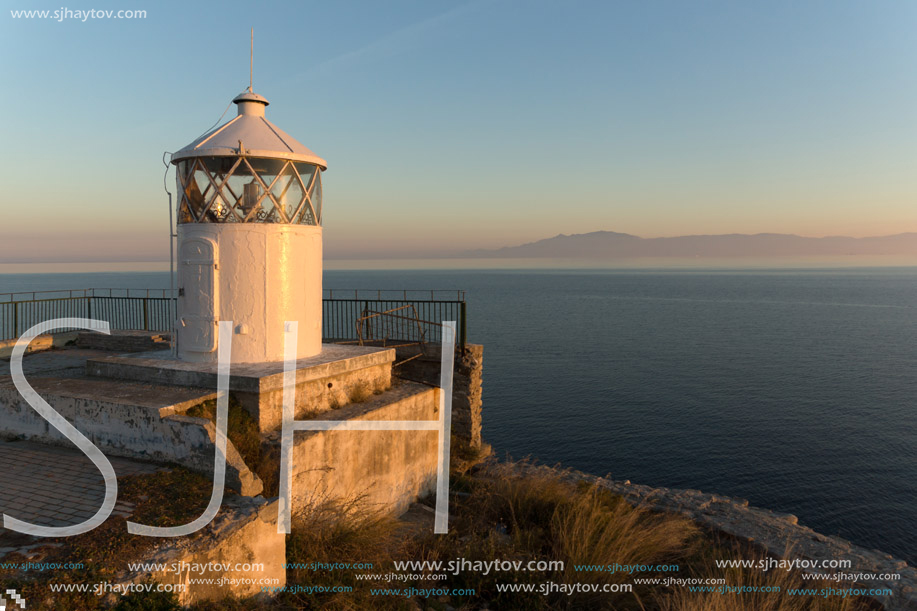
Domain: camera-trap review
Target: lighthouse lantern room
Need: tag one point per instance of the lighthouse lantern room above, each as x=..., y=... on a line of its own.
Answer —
x=249, y=239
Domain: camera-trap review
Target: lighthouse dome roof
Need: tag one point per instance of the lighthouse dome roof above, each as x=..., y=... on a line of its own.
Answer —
x=250, y=134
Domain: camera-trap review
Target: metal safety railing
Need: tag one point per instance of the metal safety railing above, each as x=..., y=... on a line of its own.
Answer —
x=154, y=310
x=341, y=318
x=396, y=294
x=147, y=310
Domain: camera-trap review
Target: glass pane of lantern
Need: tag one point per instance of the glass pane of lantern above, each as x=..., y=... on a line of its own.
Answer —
x=218, y=167
x=184, y=170
x=234, y=190
x=249, y=202
x=317, y=197
x=305, y=217
x=268, y=170
x=201, y=183
x=279, y=190
x=181, y=174
x=184, y=214
x=220, y=208
x=288, y=192
x=306, y=171
x=267, y=213
x=220, y=212
x=197, y=186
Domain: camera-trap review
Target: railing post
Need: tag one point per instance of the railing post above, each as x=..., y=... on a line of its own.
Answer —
x=463, y=318
x=146, y=313
x=15, y=319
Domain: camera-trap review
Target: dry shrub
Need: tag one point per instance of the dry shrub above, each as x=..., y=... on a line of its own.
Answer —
x=520, y=501
x=777, y=579
x=343, y=532
x=361, y=392
x=598, y=528
x=345, y=528
x=268, y=467
x=242, y=430
x=520, y=512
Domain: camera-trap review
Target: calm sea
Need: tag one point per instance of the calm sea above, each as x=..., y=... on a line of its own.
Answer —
x=794, y=389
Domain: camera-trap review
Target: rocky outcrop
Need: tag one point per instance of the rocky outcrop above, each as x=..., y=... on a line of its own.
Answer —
x=778, y=534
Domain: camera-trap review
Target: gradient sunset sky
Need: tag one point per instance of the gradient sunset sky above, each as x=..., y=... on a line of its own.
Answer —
x=477, y=124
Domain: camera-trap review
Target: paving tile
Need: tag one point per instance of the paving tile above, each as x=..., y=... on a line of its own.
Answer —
x=54, y=486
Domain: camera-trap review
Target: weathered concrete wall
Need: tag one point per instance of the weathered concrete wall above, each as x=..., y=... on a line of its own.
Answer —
x=124, y=419
x=387, y=470
x=315, y=396
x=466, y=386
x=243, y=534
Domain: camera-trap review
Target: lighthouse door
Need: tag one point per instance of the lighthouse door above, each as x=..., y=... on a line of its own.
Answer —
x=197, y=295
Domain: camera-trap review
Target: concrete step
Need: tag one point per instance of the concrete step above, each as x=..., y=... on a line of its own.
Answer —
x=124, y=341
x=157, y=399
x=129, y=419
x=411, y=400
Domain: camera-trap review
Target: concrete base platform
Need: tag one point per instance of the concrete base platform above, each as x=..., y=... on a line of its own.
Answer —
x=327, y=381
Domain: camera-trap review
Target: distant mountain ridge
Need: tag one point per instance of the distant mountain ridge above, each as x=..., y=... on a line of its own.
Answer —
x=612, y=245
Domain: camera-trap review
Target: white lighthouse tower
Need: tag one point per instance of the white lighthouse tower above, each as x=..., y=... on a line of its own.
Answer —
x=249, y=239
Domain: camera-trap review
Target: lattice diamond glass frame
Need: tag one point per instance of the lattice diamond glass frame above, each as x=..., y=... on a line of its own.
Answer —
x=249, y=190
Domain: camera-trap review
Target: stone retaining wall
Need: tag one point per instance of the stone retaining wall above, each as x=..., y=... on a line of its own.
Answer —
x=466, y=386
x=383, y=470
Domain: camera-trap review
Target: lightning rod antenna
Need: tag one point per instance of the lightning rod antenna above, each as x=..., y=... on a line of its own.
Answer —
x=251, y=63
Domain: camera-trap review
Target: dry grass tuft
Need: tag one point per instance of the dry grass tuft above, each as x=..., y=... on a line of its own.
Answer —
x=778, y=581
x=242, y=431
x=351, y=532
x=518, y=511
x=361, y=392
x=598, y=528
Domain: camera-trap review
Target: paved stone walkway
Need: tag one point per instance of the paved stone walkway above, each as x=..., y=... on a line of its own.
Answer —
x=54, y=486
